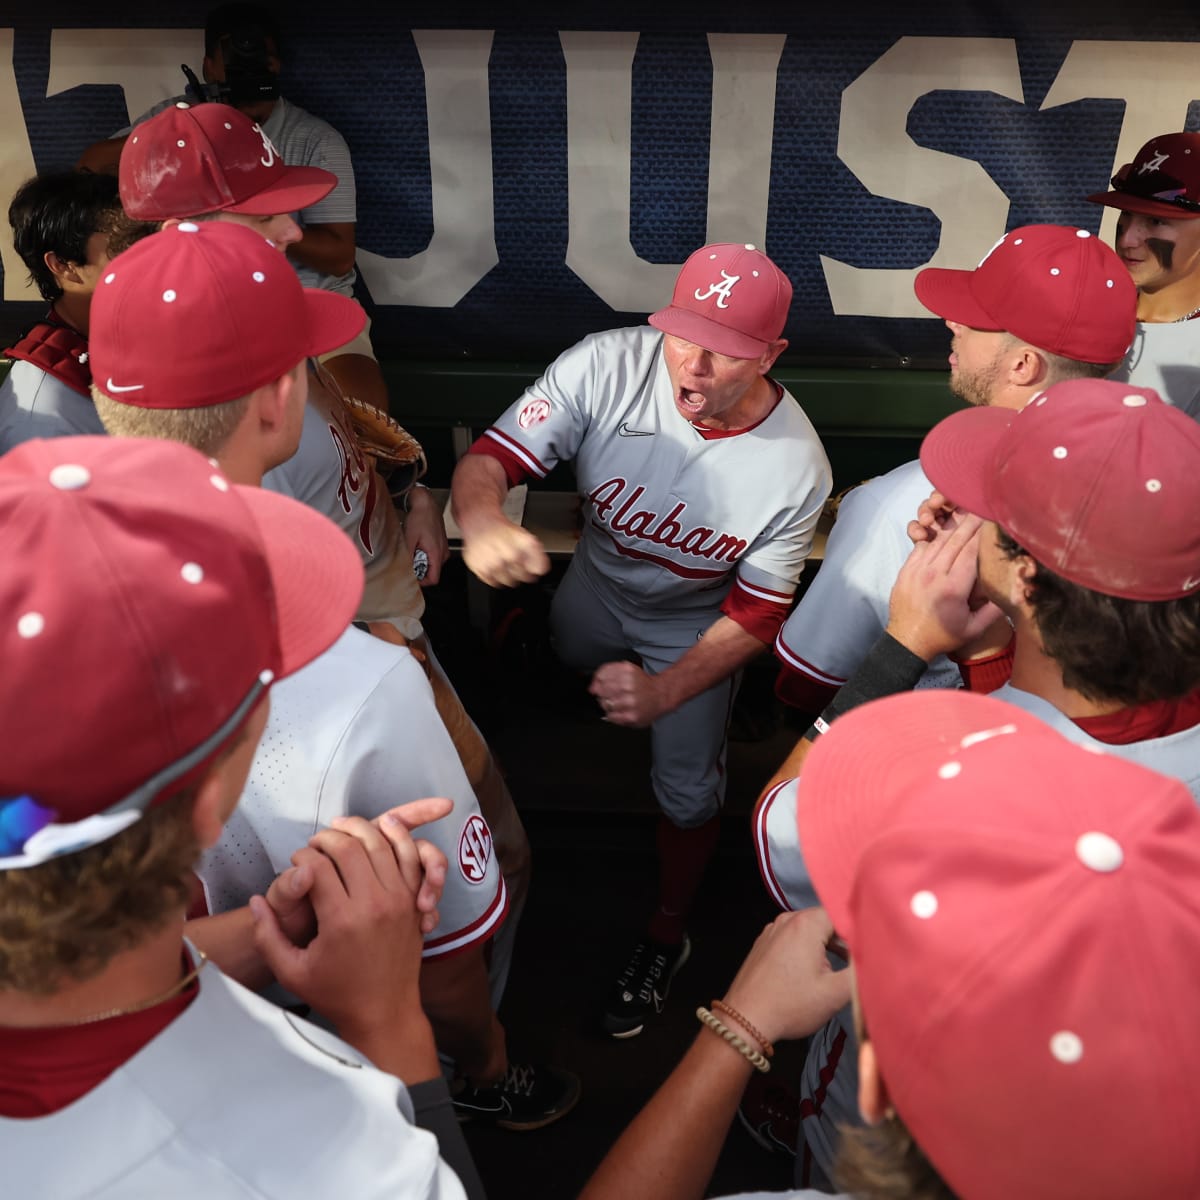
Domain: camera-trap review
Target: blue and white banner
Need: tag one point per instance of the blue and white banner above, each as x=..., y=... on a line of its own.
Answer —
x=524, y=179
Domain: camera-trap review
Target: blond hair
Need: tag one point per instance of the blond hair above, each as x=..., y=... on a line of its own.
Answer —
x=207, y=428
x=66, y=919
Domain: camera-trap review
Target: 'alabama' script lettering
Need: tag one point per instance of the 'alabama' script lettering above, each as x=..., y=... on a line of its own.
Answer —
x=620, y=514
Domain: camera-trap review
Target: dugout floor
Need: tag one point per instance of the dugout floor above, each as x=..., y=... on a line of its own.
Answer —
x=583, y=790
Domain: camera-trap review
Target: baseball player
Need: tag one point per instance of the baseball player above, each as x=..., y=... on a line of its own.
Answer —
x=1024, y=938
x=1047, y=303
x=212, y=160
x=332, y=746
x=702, y=481
x=1158, y=240
x=61, y=223
x=242, y=64
x=1089, y=550
x=164, y=1077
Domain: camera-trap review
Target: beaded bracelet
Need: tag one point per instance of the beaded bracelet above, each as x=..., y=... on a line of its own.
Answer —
x=742, y=1046
x=767, y=1047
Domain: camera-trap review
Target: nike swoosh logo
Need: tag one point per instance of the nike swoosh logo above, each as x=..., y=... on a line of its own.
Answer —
x=624, y=430
x=115, y=387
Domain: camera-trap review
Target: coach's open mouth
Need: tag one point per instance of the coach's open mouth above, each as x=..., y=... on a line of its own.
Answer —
x=689, y=401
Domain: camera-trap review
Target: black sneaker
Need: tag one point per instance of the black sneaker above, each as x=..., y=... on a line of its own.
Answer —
x=528, y=1097
x=641, y=988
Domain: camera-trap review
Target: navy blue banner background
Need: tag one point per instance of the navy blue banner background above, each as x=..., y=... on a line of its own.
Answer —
x=358, y=67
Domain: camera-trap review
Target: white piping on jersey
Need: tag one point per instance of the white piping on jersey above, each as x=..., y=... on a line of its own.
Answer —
x=794, y=661
x=479, y=930
x=763, y=847
x=762, y=593
x=518, y=451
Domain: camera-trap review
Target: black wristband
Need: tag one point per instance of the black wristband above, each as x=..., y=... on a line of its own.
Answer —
x=888, y=668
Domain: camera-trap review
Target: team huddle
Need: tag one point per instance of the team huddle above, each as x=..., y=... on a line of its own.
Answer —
x=260, y=874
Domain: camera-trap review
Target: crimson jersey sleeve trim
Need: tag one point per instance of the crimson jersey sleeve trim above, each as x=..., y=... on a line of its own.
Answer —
x=803, y=692
x=517, y=461
x=482, y=928
x=759, y=611
x=793, y=662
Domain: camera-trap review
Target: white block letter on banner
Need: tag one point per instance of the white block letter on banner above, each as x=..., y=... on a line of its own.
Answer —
x=463, y=247
x=145, y=62
x=599, y=149
x=1157, y=81
x=873, y=142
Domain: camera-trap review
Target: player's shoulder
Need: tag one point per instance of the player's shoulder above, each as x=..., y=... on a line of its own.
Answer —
x=892, y=497
x=301, y=1082
x=34, y=404
x=354, y=666
x=640, y=341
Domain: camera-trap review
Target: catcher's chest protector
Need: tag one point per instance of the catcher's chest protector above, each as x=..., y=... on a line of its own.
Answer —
x=58, y=350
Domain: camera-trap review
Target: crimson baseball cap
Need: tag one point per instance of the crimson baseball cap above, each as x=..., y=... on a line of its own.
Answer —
x=1053, y=286
x=1162, y=181
x=186, y=161
x=204, y=312
x=1024, y=926
x=1099, y=481
x=729, y=298
x=146, y=604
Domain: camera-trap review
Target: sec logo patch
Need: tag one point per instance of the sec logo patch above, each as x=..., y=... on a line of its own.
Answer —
x=534, y=413
x=474, y=849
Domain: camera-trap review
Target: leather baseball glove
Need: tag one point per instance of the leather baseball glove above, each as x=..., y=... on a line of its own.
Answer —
x=384, y=439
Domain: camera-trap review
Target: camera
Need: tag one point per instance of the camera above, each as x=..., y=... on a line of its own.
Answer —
x=244, y=52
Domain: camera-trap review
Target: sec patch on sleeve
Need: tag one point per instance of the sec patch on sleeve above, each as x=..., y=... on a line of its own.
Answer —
x=474, y=849
x=533, y=413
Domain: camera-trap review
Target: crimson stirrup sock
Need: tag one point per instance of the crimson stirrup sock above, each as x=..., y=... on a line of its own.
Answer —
x=682, y=856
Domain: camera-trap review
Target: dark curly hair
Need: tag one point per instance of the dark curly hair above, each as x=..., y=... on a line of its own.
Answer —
x=1110, y=648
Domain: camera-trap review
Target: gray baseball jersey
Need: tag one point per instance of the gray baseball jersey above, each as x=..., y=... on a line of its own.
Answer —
x=1177, y=754
x=675, y=517
x=334, y=747
x=845, y=609
x=328, y=472
x=33, y=404
x=1166, y=357
x=234, y=1098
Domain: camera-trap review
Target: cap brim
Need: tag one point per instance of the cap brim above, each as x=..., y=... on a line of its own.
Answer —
x=1140, y=204
x=947, y=293
x=701, y=331
x=333, y=320
x=295, y=189
x=957, y=453
x=857, y=774
x=316, y=573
